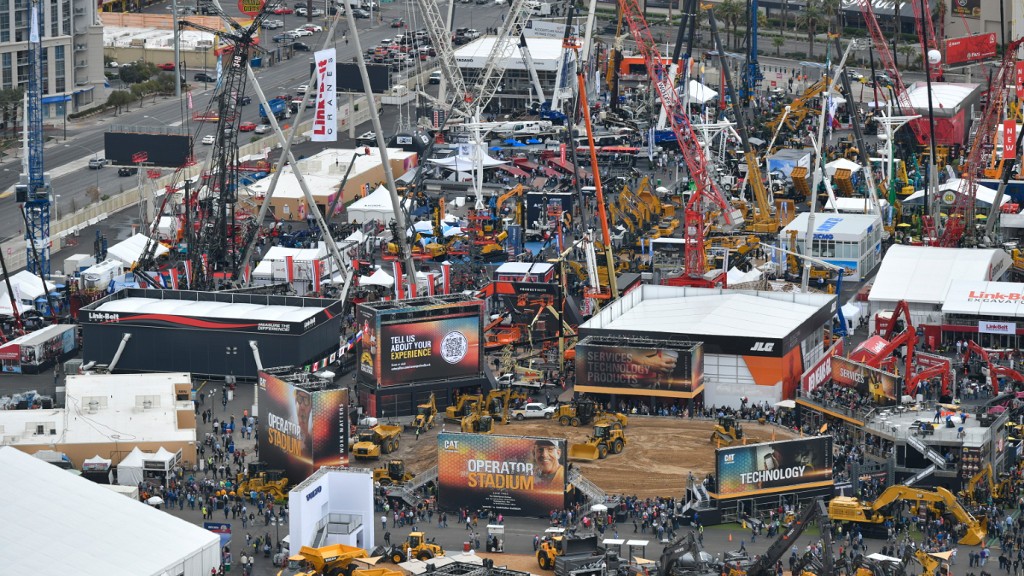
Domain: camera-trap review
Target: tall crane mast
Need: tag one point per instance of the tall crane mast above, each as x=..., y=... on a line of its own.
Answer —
x=926, y=35
x=34, y=187
x=752, y=77
x=881, y=47
x=707, y=191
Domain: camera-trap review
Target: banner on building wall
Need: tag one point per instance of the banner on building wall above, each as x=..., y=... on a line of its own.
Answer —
x=325, y=117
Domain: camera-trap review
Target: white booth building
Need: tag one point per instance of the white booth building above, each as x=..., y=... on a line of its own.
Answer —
x=333, y=506
x=853, y=241
x=990, y=313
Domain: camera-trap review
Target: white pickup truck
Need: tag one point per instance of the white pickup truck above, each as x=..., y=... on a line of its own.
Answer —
x=534, y=410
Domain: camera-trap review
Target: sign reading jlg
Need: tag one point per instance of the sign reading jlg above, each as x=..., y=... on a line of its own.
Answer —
x=251, y=7
x=970, y=48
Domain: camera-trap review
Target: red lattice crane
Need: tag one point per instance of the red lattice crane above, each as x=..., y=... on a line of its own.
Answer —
x=924, y=22
x=707, y=191
x=881, y=46
x=961, y=218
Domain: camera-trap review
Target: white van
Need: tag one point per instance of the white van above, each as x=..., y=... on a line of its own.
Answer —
x=525, y=127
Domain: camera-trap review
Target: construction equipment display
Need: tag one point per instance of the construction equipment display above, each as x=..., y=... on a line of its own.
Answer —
x=392, y=474
x=606, y=439
x=871, y=516
x=581, y=412
x=381, y=439
x=727, y=431
x=417, y=546
x=557, y=543
x=425, y=415
x=764, y=565
x=266, y=481
x=466, y=405
x=334, y=560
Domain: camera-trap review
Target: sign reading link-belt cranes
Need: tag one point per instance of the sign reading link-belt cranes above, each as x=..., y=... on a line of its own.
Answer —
x=774, y=466
x=515, y=475
x=325, y=116
x=251, y=7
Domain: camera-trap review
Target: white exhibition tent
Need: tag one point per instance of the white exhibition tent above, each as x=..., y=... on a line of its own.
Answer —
x=983, y=195
x=923, y=274
x=374, y=206
x=129, y=251
x=699, y=93
x=989, y=299
x=27, y=287
x=841, y=164
x=378, y=278
x=129, y=470
x=88, y=530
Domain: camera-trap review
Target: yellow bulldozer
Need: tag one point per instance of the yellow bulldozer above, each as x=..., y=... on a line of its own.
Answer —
x=333, y=560
x=727, y=431
x=425, y=416
x=417, y=546
x=607, y=439
x=268, y=482
x=393, y=473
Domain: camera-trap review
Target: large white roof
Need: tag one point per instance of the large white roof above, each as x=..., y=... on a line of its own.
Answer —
x=129, y=250
x=88, y=530
x=923, y=274
x=985, y=299
x=945, y=95
x=843, y=226
x=209, y=309
x=709, y=312
x=544, y=52
x=99, y=404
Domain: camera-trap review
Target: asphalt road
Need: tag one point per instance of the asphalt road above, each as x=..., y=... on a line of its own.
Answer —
x=67, y=158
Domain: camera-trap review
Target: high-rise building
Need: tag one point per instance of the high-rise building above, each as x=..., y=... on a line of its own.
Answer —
x=72, y=39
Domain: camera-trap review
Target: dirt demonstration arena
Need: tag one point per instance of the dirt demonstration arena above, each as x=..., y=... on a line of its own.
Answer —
x=659, y=453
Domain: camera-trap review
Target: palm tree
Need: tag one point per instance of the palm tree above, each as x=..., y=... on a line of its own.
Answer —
x=728, y=11
x=778, y=41
x=810, y=19
x=831, y=9
x=907, y=52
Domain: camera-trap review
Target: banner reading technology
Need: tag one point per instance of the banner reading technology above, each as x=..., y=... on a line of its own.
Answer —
x=511, y=474
x=789, y=464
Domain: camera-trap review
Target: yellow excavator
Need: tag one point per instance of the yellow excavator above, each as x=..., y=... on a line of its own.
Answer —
x=799, y=108
x=872, y=515
x=425, y=415
x=607, y=439
x=466, y=405
x=727, y=431
x=498, y=405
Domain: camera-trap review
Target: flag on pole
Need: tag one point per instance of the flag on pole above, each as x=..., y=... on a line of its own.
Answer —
x=289, y=268
x=446, y=278
x=325, y=118
x=189, y=99
x=317, y=272
x=33, y=35
x=430, y=284
x=399, y=290
x=188, y=273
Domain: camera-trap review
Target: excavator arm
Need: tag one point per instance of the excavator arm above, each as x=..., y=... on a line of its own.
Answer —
x=940, y=370
x=764, y=565
x=976, y=530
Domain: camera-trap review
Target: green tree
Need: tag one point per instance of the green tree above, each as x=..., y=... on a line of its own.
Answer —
x=11, y=102
x=831, y=8
x=728, y=13
x=810, y=20
x=907, y=51
x=119, y=99
x=778, y=41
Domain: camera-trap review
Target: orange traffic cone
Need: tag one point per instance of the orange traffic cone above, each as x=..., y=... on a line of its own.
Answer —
x=730, y=537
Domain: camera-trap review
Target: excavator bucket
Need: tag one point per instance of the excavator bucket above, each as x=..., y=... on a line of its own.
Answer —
x=584, y=452
x=976, y=533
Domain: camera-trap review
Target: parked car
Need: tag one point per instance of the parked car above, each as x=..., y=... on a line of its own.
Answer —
x=167, y=66
x=300, y=32
x=301, y=47
x=313, y=28
x=203, y=77
x=208, y=139
x=281, y=37
x=247, y=127
x=534, y=410
x=112, y=64
x=127, y=171
x=281, y=10
x=97, y=163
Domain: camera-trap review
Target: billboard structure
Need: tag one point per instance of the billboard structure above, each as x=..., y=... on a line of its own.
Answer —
x=774, y=466
x=878, y=385
x=436, y=341
x=639, y=367
x=970, y=48
x=305, y=426
x=514, y=475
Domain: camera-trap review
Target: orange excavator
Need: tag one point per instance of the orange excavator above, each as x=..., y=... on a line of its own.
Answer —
x=907, y=337
x=994, y=370
x=939, y=370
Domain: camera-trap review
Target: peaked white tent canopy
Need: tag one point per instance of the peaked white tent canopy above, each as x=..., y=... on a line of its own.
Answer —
x=27, y=287
x=374, y=206
x=129, y=251
x=378, y=278
x=841, y=164
x=983, y=196
x=699, y=93
x=467, y=161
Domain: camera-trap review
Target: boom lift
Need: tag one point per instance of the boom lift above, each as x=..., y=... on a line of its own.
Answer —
x=763, y=222
x=765, y=563
x=707, y=191
x=873, y=514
